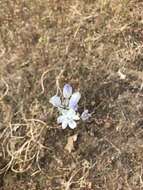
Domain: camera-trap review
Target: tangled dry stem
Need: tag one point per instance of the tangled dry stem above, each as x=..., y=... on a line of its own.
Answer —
x=22, y=144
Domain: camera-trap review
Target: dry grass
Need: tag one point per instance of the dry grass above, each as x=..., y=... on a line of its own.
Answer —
x=21, y=145
x=97, y=46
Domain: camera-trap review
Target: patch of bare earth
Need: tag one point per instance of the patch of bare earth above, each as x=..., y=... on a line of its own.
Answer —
x=97, y=46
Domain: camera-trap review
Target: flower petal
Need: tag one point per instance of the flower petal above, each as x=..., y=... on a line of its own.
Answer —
x=72, y=124
x=67, y=91
x=60, y=119
x=74, y=100
x=76, y=117
x=64, y=124
x=55, y=101
x=74, y=107
x=73, y=115
x=85, y=115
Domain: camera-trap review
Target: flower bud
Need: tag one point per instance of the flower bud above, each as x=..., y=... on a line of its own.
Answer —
x=67, y=91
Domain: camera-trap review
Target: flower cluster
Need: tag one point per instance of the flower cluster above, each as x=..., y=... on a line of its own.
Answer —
x=67, y=106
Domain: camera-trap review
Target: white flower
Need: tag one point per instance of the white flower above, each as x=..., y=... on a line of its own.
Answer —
x=68, y=118
x=55, y=101
x=85, y=115
x=68, y=108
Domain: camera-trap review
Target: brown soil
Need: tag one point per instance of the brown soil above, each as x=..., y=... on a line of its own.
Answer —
x=97, y=47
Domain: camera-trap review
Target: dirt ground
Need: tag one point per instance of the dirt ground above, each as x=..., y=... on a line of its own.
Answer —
x=97, y=47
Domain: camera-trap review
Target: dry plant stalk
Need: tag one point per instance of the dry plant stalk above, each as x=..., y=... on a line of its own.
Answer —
x=22, y=144
x=7, y=89
x=82, y=181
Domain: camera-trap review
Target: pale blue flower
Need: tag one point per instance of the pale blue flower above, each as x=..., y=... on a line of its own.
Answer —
x=85, y=115
x=55, y=101
x=68, y=108
x=73, y=102
x=67, y=91
x=68, y=118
